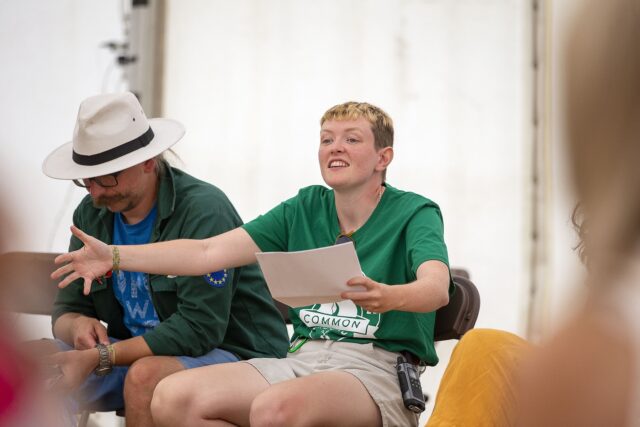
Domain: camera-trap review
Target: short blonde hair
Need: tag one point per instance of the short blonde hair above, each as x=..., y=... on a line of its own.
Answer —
x=381, y=123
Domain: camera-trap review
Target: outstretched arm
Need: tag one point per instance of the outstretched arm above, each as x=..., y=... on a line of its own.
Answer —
x=428, y=293
x=180, y=257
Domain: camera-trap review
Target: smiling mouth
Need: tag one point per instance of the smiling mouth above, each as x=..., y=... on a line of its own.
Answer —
x=338, y=164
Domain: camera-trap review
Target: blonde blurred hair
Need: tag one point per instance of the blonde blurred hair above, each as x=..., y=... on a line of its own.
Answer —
x=603, y=122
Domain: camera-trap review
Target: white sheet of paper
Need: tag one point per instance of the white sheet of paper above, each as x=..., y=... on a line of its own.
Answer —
x=315, y=276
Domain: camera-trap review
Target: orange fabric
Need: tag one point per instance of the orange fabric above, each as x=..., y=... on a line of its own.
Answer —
x=477, y=388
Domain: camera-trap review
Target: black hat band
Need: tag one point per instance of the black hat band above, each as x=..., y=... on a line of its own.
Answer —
x=115, y=152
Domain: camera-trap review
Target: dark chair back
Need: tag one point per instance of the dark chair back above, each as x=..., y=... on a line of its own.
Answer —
x=26, y=276
x=460, y=315
x=460, y=272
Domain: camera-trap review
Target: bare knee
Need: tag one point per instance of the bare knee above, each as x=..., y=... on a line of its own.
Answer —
x=274, y=408
x=142, y=375
x=177, y=402
x=169, y=400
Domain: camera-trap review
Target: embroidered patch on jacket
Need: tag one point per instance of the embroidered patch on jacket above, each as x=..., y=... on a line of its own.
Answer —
x=217, y=279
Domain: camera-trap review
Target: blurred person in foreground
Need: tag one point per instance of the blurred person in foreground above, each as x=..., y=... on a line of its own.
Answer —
x=341, y=366
x=589, y=373
x=25, y=400
x=156, y=324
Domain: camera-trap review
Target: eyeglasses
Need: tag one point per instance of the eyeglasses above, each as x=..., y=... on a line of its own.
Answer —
x=344, y=238
x=104, y=181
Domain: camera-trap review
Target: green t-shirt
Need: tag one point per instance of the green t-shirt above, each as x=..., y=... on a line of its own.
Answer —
x=403, y=231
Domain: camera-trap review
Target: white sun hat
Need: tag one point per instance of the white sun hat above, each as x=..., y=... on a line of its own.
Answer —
x=112, y=133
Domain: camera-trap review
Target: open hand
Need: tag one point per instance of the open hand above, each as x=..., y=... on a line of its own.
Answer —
x=90, y=262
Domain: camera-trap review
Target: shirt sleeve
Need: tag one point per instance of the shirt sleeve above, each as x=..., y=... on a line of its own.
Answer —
x=270, y=231
x=425, y=237
x=200, y=320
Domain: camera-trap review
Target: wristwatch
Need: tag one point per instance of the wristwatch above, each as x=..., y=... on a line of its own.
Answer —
x=104, y=361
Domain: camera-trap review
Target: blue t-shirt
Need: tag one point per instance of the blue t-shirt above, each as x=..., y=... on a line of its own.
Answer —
x=132, y=288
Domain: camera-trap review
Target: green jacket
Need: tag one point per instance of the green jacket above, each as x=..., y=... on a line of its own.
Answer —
x=195, y=317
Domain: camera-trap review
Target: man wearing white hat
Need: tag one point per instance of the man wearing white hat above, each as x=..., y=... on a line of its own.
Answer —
x=135, y=197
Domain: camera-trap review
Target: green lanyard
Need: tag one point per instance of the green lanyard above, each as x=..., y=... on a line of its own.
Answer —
x=297, y=343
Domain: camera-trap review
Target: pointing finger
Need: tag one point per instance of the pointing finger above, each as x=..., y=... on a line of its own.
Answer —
x=84, y=237
x=77, y=232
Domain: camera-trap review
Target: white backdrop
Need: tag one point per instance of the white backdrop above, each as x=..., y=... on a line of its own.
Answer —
x=250, y=80
x=52, y=59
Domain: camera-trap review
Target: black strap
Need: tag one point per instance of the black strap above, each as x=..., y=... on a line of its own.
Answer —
x=411, y=358
x=115, y=152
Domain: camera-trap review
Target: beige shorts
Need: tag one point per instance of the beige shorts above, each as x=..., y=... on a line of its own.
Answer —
x=373, y=366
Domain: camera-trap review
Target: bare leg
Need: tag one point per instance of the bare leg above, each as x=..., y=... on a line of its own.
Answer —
x=141, y=380
x=324, y=399
x=216, y=395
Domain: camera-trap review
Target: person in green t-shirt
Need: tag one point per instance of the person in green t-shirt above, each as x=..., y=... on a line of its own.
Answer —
x=341, y=367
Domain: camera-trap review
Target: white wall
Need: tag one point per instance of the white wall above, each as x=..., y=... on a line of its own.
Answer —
x=52, y=59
